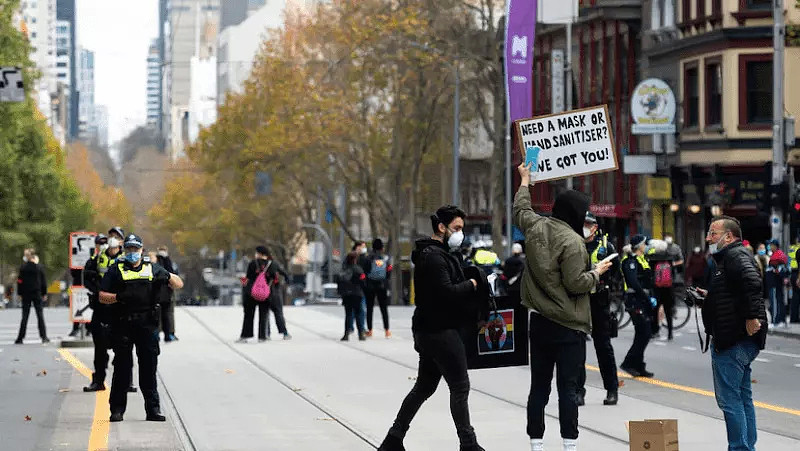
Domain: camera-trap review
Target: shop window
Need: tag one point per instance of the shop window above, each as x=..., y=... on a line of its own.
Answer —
x=691, y=96
x=755, y=91
x=714, y=93
x=758, y=4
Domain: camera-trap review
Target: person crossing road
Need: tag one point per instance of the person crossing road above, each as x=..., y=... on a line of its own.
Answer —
x=135, y=285
x=639, y=303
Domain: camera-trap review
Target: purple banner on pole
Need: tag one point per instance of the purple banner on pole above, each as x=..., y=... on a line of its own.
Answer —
x=520, y=33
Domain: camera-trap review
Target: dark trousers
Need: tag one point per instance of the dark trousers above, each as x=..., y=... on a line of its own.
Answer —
x=606, y=362
x=794, y=310
x=143, y=333
x=371, y=292
x=168, y=318
x=666, y=298
x=353, y=312
x=642, y=332
x=441, y=354
x=275, y=305
x=26, y=311
x=555, y=346
x=101, y=336
x=777, y=302
x=250, y=306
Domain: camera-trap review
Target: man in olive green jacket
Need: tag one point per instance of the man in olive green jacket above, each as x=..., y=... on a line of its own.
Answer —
x=556, y=284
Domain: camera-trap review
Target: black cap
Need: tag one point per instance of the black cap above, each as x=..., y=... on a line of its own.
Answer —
x=133, y=241
x=118, y=230
x=637, y=240
x=377, y=244
x=100, y=239
x=262, y=250
x=590, y=218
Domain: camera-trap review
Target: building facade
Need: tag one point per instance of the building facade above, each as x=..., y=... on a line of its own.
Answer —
x=39, y=20
x=87, y=127
x=65, y=11
x=153, y=98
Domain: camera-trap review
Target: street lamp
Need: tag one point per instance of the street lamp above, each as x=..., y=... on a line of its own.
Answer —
x=716, y=210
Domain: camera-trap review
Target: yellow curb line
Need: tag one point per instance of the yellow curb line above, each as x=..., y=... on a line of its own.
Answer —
x=98, y=438
x=697, y=391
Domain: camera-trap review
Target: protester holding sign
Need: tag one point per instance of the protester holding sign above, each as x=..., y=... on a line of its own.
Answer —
x=555, y=286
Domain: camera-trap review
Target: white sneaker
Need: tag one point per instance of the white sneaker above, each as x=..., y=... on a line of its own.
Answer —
x=537, y=444
x=570, y=445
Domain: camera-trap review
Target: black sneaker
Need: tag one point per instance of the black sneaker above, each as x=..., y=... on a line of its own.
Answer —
x=611, y=399
x=345, y=337
x=156, y=416
x=133, y=389
x=74, y=333
x=45, y=340
x=630, y=370
x=580, y=399
x=287, y=336
x=644, y=373
x=18, y=342
x=392, y=443
x=362, y=336
x=94, y=386
x=116, y=417
x=472, y=448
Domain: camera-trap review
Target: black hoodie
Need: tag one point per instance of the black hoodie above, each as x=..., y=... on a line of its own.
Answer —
x=571, y=207
x=443, y=295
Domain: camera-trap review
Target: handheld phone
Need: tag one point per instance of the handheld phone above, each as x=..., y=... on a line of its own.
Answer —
x=609, y=258
x=532, y=157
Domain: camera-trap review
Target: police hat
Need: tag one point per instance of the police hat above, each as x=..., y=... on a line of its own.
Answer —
x=590, y=218
x=636, y=240
x=100, y=239
x=118, y=230
x=133, y=241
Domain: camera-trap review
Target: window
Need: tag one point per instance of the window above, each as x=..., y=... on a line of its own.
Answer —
x=759, y=4
x=61, y=64
x=713, y=93
x=686, y=11
x=756, y=92
x=700, y=12
x=691, y=104
x=33, y=35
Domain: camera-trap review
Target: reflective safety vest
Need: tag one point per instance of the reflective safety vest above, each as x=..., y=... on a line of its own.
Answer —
x=145, y=273
x=603, y=244
x=485, y=258
x=141, y=283
x=793, y=261
x=104, y=262
x=642, y=261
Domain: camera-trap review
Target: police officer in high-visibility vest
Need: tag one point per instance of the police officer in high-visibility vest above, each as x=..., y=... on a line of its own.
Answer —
x=135, y=284
x=603, y=323
x=794, y=303
x=639, y=303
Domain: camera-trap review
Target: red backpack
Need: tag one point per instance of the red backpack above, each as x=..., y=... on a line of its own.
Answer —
x=260, y=290
x=663, y=275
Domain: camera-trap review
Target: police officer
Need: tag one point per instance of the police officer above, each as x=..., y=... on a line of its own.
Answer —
x=135, y=285
x=794, y=303
x=639, y=303
x=603, y=324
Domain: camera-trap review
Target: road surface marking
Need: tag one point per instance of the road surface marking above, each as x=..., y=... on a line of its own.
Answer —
x=689, y=348
x=659, y=343
x=759, y=359
x=697, y=391
x=782, y=354
x=797, y=365
x=678, y=334
x=98, y=438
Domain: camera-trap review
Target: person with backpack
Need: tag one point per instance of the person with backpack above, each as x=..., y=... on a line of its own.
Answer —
x=377, y=269
x=256, y=294
x=350, y=285
x=664, y=278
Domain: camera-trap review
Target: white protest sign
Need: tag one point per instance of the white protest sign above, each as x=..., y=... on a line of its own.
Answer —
x=79, y=310
x=578, y=142
x=12, y=87
x=81, y=247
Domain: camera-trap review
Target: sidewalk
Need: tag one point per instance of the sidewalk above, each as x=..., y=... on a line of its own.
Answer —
x=791, y=330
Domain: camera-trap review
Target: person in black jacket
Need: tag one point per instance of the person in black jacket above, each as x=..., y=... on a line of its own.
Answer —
x=262, y=262
x=734, y=315
x=443, y=299
x=32, y=287
x=351, y=287
x=167, y=298
x=377, y=270
x=639, y=303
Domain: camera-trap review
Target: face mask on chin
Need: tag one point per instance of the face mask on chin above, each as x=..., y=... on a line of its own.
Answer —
x=718, y=246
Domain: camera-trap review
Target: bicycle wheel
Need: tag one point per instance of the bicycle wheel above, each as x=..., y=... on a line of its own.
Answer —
x=618, y=310
x=681, y=314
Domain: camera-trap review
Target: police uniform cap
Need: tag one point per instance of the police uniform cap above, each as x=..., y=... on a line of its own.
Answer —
x=100, y=239
x=116, y=230
x=637, y=240
x=590, y=218
x=133, y=241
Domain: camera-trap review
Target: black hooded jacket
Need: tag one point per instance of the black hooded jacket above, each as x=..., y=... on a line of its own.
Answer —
x=571, y=207
x=443, y=294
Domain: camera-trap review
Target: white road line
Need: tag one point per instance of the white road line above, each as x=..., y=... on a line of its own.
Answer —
x=759, y=359
x=797, y=365
x=782, y=354
x=677, y=334
x=689, y=348
x=659, y=343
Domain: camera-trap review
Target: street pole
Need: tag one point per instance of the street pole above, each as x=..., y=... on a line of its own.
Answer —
x=456, y=126
x=568, y=76
x=778, y=156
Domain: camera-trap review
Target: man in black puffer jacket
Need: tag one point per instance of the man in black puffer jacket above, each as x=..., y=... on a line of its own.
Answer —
x=734, y=315
x=444, y=296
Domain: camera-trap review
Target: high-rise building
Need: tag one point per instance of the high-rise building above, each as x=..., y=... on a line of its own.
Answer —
x=101, y=125
x=86, y=120
x=190, y=31
x=40, y=22
x=65, y=11
x=63, y=67
x=153, y=106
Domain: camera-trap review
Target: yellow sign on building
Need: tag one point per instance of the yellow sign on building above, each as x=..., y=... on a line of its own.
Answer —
x=659, y=188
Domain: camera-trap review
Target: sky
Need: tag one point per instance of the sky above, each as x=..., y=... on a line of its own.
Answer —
x=119, y=32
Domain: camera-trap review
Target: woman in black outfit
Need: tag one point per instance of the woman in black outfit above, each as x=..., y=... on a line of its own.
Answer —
x=263, y=262
x=351, y=287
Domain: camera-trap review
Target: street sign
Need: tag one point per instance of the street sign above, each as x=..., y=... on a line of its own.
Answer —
x=653, y=108
x=79, y=310
x=81, y=248
x=12, y=88
x=316, y=252
x=557, y=89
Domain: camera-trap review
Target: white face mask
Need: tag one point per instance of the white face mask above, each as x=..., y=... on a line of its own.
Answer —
x=25, y=259
x=668, y=240
x=363, y=250
x=162, y=254
x=455, y=240
x=715, y=247
x=587, y=233
x=103, y=247
x=114, y=242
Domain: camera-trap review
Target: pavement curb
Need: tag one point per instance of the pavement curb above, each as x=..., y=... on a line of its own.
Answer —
x=784, y=333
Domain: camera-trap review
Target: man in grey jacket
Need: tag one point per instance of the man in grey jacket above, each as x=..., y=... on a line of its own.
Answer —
x=556, y=284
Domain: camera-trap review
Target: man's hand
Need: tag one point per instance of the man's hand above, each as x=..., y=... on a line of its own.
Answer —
x=702, y=292
x=525, y=174
x=602, y=267
x=474, y=284
x=753, y=326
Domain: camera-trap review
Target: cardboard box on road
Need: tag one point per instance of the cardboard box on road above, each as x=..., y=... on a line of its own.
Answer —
x=653, y=435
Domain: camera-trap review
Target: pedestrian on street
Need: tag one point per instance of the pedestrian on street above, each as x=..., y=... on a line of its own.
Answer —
x=135, y=286
x=378, y=270
x=443, y=299
x=696, y=268
x=261, y=263
x=512, y=271
x=168, y=296
x=350, y=285
x=101, y=323
x=794, y=307
x=777, y=279
x=735, y=317
x=556, y=284
x=275, y=300
x=604, y=324
x=32, y=287
x=665, y=274
x=639, y=303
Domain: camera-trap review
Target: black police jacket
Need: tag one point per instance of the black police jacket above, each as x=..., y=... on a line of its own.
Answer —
x=734, y=296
